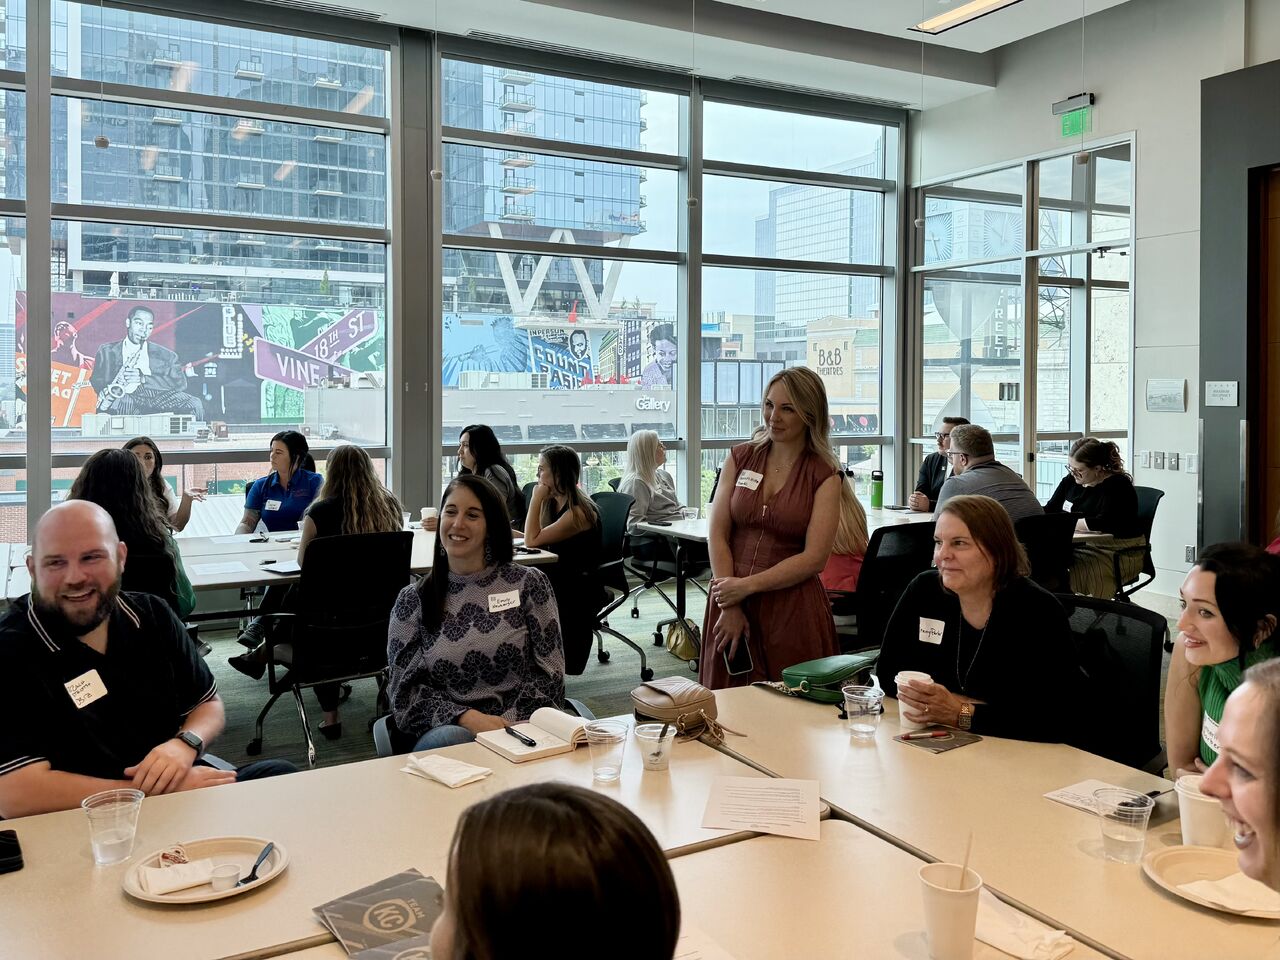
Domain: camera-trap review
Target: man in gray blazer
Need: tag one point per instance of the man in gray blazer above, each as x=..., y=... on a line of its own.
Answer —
x=134, y=375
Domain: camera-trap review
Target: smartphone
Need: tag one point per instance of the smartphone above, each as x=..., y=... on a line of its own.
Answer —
x=896, y=506
x=660, y=523
x=10, y=852
x=741, y=662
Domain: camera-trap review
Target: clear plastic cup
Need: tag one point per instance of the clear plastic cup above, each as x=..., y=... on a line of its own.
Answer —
x=113, y=822
x=902, y=677
x=950, y=909
x=863, y=705
x=689, y=513
x=1123, y=817
x=405, y=517
x=607, y=741
x=655, y=747
x=1204, y=824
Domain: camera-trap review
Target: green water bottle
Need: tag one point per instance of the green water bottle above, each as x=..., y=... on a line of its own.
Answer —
x=877, y=489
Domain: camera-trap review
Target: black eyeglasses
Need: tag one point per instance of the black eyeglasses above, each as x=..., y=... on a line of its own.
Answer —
x=1074, y=471
x=941, y=436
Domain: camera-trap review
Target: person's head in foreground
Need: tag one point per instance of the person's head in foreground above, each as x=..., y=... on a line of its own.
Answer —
x=1245, y=775
x=975, y=548
x=1230, y=603
x=76, y=564
x=553, y=868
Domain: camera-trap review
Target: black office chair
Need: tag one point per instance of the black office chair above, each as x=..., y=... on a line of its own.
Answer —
x=1047, y=539
x=1148, y=499
x=614, y=508
x=895, y=556
x=389, y=741
x=337, y=630
x=613, y=483
x=527, y=490
x=1120, y=648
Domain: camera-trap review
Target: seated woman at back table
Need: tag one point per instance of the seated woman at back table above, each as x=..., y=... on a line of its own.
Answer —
x=113, y=479
x=561, y=845
x=1099, y=491
x=564, y=520
x=773, y=521
x=997, y=646
x=456, y=669
x=480, y=453
x=1246, y=774
x=1230, y=607
x=176, y=510
x=351, y=501
x=850, y=547
x=652, y=488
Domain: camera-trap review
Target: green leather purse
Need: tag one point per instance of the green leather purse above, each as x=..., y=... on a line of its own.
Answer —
x=822, y=679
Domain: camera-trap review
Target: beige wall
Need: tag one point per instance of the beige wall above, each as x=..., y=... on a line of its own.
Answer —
x=1144, y=60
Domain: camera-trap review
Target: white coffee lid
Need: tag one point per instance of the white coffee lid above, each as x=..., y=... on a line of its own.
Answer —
x=904, y=675
x=1189, y=783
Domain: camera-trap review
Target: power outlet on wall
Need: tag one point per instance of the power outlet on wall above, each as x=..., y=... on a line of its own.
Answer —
x=1172, y=460
x=1189, y=553
x=1157, y=460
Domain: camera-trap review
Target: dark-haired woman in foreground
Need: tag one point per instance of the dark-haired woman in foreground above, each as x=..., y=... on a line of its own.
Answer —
x=476, y=644
x=561, y=846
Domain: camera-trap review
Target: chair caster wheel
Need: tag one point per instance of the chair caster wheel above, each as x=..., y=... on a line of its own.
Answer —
x=635, y=613
x=603, y=656
x=254, y=747
x=646, y=674
x=657, y=639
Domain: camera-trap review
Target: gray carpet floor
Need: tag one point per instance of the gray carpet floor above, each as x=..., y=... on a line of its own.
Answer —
x=604, y=687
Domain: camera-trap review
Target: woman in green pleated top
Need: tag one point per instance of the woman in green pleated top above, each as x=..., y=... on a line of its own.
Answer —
x=1230, y=607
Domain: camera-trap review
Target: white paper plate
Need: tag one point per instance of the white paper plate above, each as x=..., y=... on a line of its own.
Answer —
x=242, y=851
x=1177, y=865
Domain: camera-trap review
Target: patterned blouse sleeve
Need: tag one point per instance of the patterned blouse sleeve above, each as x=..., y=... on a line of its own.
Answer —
x=416, y=703
x=544, y=682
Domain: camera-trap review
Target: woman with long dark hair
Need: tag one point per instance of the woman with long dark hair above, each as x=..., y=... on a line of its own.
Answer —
x=565, y=521
x=480, y=453
x=177, y=510
x=113, y=479
x=454, y=673
x=561, y=844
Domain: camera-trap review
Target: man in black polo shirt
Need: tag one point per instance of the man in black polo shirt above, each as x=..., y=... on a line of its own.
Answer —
x=100, y=689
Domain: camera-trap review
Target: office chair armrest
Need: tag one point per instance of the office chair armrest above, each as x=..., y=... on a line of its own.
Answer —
x=580, y=708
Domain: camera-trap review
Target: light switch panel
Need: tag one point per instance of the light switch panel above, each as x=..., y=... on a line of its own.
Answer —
x=1172, y=460
x=1157, y=460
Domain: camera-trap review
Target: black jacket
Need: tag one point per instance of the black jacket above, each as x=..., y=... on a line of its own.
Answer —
x=933, y=474
x=1109, y=507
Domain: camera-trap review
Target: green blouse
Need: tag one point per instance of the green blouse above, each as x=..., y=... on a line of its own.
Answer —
x=1217, y=681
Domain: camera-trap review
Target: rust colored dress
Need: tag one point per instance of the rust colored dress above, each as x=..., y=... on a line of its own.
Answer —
x=785, y=626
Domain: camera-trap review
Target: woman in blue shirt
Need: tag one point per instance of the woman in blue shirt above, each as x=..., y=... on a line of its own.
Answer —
x=279, y=499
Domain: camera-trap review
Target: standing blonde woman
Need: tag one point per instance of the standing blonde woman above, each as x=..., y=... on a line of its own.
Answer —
x=773, y=523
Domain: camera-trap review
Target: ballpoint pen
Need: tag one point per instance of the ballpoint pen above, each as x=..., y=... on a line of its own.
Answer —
x=527, y=741
x=931, y=735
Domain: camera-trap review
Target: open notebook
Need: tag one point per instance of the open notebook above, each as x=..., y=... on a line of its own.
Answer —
x=554, y=731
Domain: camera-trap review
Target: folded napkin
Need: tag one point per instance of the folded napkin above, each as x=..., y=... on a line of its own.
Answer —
x=1236, y=892
x=1017, y=934
x=446, y=770
x=179, y=876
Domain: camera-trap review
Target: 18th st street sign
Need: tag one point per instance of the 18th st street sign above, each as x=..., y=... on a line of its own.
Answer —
x=310, y=363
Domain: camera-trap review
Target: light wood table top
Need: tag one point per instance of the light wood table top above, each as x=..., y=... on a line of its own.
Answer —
x=1042, y=855
x=344, y=827
x=240, y=562
x=775, y=897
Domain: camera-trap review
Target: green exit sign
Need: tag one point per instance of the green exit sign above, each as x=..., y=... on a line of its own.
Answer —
x=1077, y=122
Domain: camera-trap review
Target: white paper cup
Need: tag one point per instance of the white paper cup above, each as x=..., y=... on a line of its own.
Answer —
x=428, y=513
x=1203, y=822
x=902, y=677
x=950, y=914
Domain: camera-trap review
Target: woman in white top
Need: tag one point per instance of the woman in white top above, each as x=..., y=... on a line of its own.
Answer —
x=652, y=489
x=177, y=511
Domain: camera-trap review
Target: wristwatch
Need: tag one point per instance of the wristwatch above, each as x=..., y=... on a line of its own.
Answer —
x=192, y=740
x=966, y=716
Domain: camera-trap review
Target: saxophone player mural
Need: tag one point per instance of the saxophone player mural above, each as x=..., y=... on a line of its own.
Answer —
x=135, y=376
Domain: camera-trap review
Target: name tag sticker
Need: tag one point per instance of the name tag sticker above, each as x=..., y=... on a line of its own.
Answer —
x=85, y=689
x=1066, y=506
x=499, y=602
x=931, y=630
x=1209, y=733
x=271, y=505
x=749, y=479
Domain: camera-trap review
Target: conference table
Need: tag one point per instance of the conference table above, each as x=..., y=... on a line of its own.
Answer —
x=343, y=827
x=242, y=560
x=850, y=895
x=1043, y=856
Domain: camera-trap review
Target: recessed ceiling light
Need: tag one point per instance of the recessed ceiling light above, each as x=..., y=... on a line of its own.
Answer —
x=962, y=14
